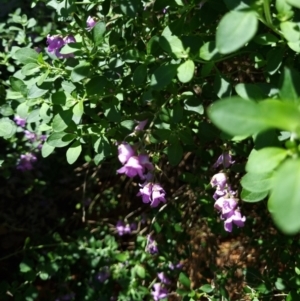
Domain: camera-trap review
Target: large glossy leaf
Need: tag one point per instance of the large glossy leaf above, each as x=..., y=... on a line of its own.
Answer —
x=284, y=202
x=257, y=182
x=26, y=55
x=235, y=29
x=185, y=71
x=253, y=197
x=265, y=160
x=237, y=116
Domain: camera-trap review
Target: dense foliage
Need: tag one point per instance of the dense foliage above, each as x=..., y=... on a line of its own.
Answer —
x=139, y=139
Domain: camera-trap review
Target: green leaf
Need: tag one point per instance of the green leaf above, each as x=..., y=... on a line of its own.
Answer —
x=26, y=55
x=290, y=30
x=47, y=150
x=209, y=51
x=35, y=92
x=257, y=182
x=194, y=104
x=98, y=85
x=185, y=71
x=7, y=128
x=284, y=202
x=184, y=280
x=140, y=271
x=294, y=3
x=175, y=153
x=172, y=44
x=265, y=160
x=252, y=197
x=249, y=91
x=235, y=29
x=24, y=267
x=289, y=87
x=266, y=39
x=18, y=85
x=80, y=71
x=236, y=116
x=74, y=152
x=98, y=33
x=274, y=59
x=222, y=87
x=60, y=139
x=30, y=69
x=206, y=288
x=62, y=120
x=163, y=76
x=140, y=75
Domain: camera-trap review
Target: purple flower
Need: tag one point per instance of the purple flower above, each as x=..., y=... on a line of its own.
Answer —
x=162, y=277
x=56, y=42
x=30, y=136
x=141, y=125
x=122, y=228
x=226, y=206
x=224, y=159
x=125, y=152
x=219, y=193
x=159, y=292
x=152, y=193
x=20, y=121
x=132, y=168
x=177, y=266
x=151, y=245
x=25, y=162
x=234, y=217
x=90, y=23
x=144, y=161
x=219, y=180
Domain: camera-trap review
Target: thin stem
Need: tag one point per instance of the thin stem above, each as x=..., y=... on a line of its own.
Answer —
x=268, y=12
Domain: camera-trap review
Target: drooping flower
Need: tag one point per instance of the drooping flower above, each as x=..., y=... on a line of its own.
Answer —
x=122, y=228
x=151, y=246
x=144, y=161
x=125, y=152
x=226, y=206
x=225, y=159
x=20, y=121
x=132, y=168
x=26, y=161
x=141, y=125
x=159, y=292
x=152, y=193
x=234, y=217
x=90, y=23
x=219, y=180
x=163, y=278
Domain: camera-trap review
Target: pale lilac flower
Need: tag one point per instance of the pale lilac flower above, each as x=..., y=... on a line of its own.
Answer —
x=141, y=125
x=162, y=277
x=219, y=193
x=177, y=266
x=26, y=161
x=159, y=292
x=234, y=217
x=20, y=121
x=144, y=161
x=122, y=228
x=226, y=206
x=152, y=193
x=30, y=136
x=151, y=245
x=90, y=23
x=219, y=180
x=225, y=159
x=125, y=152
x=132, y=168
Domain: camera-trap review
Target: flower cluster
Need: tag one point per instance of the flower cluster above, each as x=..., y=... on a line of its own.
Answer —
x=56, y=42
x=140, y=165
x=159, y=290
x=26, y=161
x=151, y=246
x=226, y=202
